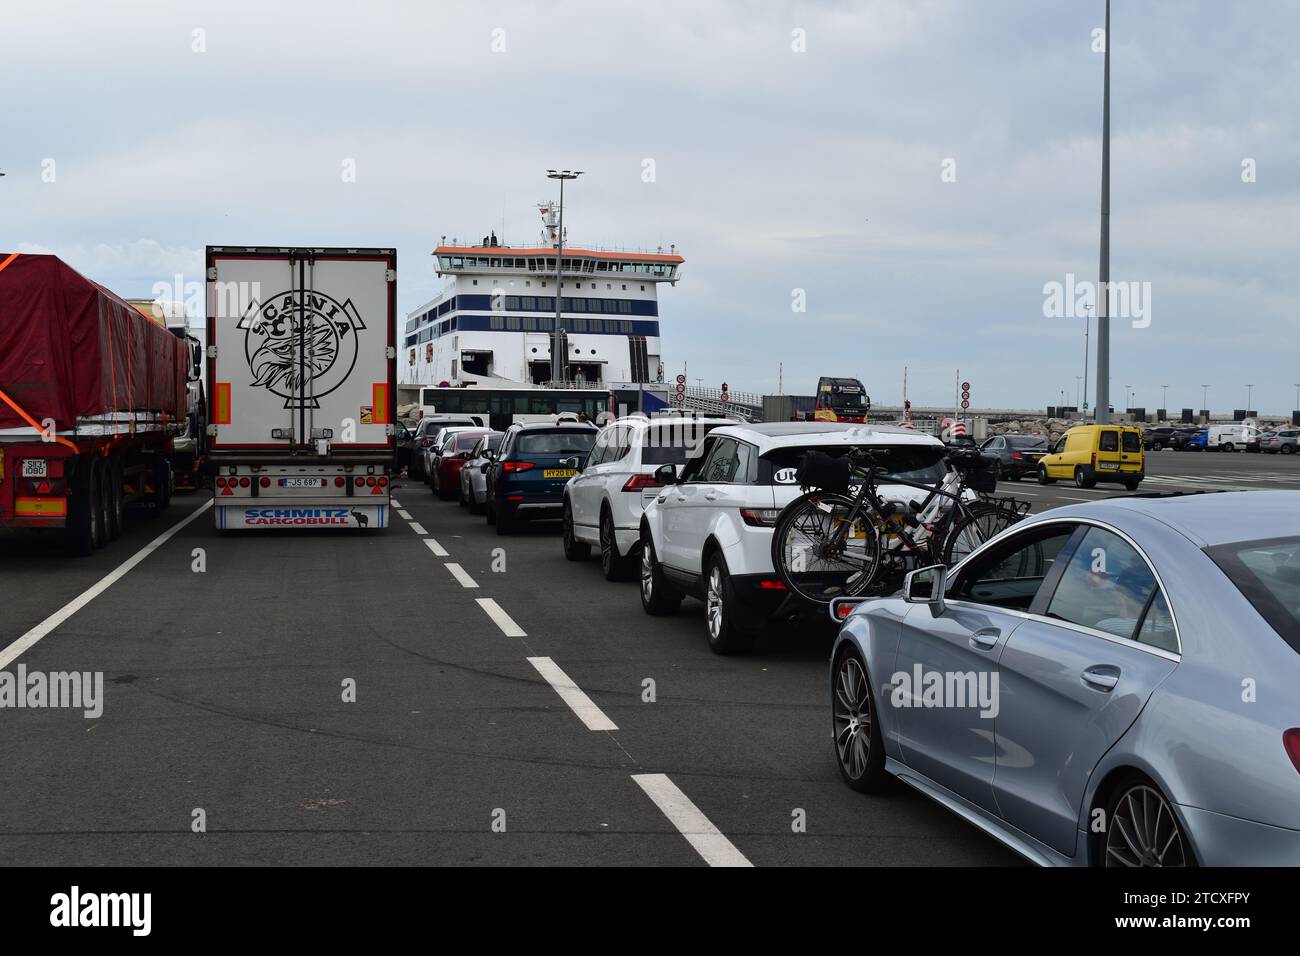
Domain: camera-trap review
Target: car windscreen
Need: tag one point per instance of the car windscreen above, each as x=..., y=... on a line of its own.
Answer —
x=673, y=444
x=923, y=464
x=1268, y=574
x=573, y=442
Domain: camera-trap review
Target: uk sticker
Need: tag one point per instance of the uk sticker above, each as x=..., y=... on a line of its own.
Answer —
x=784, y=476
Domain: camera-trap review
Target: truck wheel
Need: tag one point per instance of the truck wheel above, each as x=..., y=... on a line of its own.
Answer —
x=116, y=501
x=162, y=486
x=83, y=533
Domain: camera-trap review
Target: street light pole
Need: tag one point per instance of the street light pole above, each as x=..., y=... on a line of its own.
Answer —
x=1249, y=389
x=1087, y=322
x=1103, y=276
x=1205, y=401
x=557, y=366
x=1164, y=399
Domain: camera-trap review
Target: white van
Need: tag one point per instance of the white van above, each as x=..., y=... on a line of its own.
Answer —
x=1232, y=437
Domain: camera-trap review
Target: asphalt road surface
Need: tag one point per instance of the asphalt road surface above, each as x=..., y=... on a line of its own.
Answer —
x=502, y=710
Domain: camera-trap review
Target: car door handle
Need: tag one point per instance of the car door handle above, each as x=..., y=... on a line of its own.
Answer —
x=986, y=639
x=711, y=496
x=1101, y=677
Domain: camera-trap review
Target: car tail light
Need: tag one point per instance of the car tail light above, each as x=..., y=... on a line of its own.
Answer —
x=1017, y=456
x=517, y=466
x=1094, y=459
x=1291, y=741
x=772, y=585
x=760, y=517
x=514, y=497
x=638, y=482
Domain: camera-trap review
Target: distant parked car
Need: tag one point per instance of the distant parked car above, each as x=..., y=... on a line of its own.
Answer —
x=426, y=433
x=604, y=501
x=1017, y=455
x=1091, y=721
x=473, y=477
x=1179, y=439
x=1284, y=441
x=1196, y=440
x=1159, y=437
x=528, y=473
x=454, y=452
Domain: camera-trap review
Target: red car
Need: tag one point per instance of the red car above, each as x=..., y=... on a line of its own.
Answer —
x=452, y=458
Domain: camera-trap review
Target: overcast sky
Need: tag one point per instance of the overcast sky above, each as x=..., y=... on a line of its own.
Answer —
x=797, y=146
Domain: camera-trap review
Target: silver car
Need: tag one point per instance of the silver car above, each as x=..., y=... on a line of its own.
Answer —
x=1111, y=683
x=473, y=480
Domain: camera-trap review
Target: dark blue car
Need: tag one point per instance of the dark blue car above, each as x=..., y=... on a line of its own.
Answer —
x=527, y=476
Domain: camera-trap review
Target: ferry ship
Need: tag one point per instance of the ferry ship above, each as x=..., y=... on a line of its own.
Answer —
x=493, y=325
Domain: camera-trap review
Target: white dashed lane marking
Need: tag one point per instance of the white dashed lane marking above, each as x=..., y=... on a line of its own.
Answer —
x=438, y=550
x=499, y=617
x=418, y=528
x=404, y=515
x=460, y=575
x=690, y=822
x=572, y=694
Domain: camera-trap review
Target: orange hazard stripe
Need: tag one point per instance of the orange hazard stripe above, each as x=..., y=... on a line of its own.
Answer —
x=221, y=404
x=5, y=265
x=48, y=436
x=379, y=399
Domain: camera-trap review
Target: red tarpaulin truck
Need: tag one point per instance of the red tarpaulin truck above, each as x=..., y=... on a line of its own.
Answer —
x=92, y=395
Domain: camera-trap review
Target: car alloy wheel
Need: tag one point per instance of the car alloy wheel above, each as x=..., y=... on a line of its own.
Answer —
x=1143, y=831
x=647, y=575
x=713, y=603
x=851, y=712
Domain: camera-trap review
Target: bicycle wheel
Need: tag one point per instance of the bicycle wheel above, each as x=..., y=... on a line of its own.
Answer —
x=973, y=530
x=809, y=563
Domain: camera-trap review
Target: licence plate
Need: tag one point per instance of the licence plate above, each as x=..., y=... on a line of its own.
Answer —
x=34, y=468
x=302, y=482
x=1108, y=466
x=558, y=472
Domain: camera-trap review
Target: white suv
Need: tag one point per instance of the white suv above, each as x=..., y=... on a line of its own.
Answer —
x=603, y=502
x=709, y=534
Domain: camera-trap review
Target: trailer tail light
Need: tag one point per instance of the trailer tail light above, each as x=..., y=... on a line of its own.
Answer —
x=370, y=482
x=517, y=466
x=244, y=482
x=264, y=482
x=221, y=482
x=1291, y=742
x=639, y=482
x=382, y=482
x=340, y=481
x=358, y=481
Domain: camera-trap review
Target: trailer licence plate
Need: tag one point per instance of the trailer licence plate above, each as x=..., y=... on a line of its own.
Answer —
x=302, y=482
x=34, y=468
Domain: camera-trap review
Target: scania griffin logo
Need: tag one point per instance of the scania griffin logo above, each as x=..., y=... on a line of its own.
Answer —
x=301, y=345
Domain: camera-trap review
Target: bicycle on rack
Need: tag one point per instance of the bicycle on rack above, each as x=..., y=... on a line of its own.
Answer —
x=832, y=542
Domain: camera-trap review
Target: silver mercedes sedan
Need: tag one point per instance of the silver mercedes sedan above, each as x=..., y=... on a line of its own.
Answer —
x=1114, y=683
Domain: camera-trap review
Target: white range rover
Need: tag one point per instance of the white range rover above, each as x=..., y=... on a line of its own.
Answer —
x=604, y=501
x=709, y=534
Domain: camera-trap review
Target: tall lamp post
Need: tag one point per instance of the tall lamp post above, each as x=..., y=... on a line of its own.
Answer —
x=1249, y=389
x=557, y=363
x=1103, y=276
x=1164, y=399
x=1087, y=322
x=1205, y=401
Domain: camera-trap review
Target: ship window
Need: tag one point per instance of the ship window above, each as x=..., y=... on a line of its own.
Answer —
x=497, y=323
x=530, y=323
x=625, y=327
x=426, y=335
x=512, y=323
x=528, y=282
x=624, y=305
x=643, y=288
x=602, y=266
x=624, y=288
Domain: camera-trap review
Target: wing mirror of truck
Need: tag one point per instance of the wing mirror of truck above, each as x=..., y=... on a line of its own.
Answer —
x=926, y=586
x=666, y=475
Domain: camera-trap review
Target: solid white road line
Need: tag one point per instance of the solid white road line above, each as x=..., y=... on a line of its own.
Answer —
x=499, y=617
x=404, y=515
x=460, y=575
x=707, y=839
x=571, y=694
x=418, y=528
x=28, y=640
x=438, y=550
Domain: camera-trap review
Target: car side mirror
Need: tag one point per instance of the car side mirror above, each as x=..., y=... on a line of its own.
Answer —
x=666, y=475
x=575, y=463
x=926, y=586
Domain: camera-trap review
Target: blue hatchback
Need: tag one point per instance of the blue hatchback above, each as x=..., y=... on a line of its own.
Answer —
x=526, y=479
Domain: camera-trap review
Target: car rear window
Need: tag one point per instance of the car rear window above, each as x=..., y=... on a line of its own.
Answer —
x=1268, y=574
x=1132, y=441
x=920, y=463
x=558, y=442
x=1025, y=441
x=673, y=444
x=467, y=441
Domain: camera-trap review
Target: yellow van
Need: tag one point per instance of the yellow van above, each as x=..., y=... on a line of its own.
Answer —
x=1087, y=454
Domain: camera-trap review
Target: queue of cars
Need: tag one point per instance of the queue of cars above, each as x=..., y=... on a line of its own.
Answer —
x=1084, y=665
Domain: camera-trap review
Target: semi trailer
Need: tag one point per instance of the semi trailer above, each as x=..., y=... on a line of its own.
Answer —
x=92, y=398
x=302, y=384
